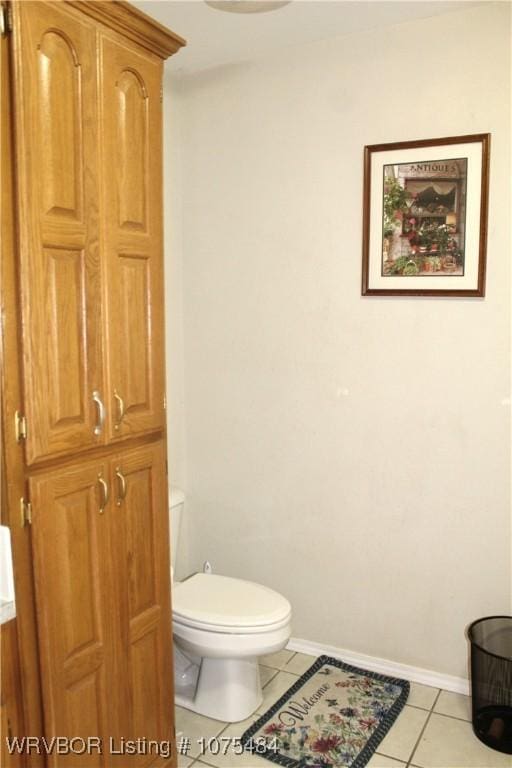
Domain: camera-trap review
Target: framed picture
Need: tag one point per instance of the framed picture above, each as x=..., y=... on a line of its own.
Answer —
x=425, y=217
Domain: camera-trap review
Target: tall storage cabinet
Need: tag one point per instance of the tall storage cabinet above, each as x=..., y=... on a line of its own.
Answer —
x=89, y=121
x=87, y=126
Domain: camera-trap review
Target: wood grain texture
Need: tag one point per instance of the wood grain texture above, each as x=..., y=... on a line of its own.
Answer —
x=131, y=135
x=103, y=597
x=22, y=644
x=60, y=270
x=143, y=568
x=11, y=714
x=134, y=25
x=72, y=541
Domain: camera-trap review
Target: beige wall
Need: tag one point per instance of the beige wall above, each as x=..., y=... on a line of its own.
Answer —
x=353, y=453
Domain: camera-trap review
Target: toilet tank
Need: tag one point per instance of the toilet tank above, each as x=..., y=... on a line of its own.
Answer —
x=176, y=502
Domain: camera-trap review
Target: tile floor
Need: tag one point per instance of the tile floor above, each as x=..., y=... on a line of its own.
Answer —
x=432, y=731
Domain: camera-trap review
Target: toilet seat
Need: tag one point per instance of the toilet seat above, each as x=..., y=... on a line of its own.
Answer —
x=228, y=606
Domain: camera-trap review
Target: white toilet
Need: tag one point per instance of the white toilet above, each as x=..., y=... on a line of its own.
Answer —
x=221, y=626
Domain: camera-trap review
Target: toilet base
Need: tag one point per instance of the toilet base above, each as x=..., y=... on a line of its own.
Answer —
x=227, y=689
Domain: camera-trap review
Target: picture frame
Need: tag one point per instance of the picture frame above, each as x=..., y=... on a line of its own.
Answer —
x=425, y=208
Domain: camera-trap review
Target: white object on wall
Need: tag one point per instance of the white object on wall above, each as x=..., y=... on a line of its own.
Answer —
x=7, y=599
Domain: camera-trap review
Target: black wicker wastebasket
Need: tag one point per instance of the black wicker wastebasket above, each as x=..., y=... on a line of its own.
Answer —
x=491, y=680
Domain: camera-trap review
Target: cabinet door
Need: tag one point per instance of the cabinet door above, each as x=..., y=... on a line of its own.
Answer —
x=11, y=713
x=55, y=66
x=140, y=493
x=132, y=217
x=71, y=538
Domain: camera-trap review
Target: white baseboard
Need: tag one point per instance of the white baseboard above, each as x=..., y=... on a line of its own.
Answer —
x=384, y=666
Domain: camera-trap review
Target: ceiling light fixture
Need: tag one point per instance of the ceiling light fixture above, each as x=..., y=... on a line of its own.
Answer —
x=246, y=6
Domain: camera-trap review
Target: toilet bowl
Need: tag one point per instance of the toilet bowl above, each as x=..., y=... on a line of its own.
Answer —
x=221, y=626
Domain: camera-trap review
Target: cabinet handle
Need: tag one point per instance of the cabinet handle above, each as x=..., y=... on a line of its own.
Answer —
x=120, y=409
x=98, y=429
x=122, y=487
x=104, y=493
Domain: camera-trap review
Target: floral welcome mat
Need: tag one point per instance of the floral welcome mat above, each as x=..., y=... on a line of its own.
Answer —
x=334, y=715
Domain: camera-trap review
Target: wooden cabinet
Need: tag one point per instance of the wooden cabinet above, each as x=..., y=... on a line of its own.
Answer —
x=11, y=714
x=88, y=311
x=72, y=536
x=140, y=504
x=90, y=180
x=101, y=567
x=132, y=190
x=57, y=139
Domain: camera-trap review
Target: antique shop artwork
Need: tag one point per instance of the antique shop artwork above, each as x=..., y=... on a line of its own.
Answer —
x=425, y=217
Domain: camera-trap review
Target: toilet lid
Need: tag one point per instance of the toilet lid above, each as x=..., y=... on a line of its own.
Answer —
x=225, y=602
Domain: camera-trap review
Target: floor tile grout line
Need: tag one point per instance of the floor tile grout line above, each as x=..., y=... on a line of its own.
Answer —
x=276, y=672
x=224, y=729
x=436, y=699
x=452, y=717
x=381, y=754
x=411, y=756
x=267, y=666
x=423, y=709
x=294, y=653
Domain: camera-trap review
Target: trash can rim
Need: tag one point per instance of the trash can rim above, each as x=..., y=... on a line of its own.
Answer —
x=477, y=645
